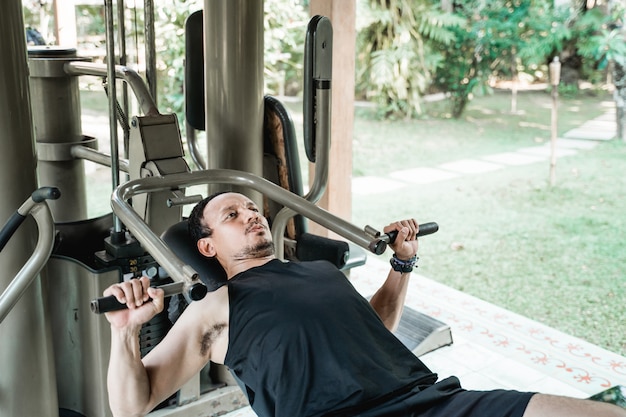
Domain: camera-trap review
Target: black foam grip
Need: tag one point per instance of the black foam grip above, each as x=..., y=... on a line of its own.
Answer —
x=9, y=228
x=45, y=193
x=106, y=304
x=425, y=229
x=194, y=71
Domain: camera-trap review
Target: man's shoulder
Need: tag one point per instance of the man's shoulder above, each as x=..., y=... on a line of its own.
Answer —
x=211, y=307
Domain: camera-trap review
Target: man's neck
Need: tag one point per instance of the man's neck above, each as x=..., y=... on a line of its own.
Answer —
x=241, y=265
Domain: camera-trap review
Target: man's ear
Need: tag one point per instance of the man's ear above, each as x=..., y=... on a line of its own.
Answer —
x=206, y=248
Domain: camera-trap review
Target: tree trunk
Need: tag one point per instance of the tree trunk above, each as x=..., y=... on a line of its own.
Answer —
x=619, y=78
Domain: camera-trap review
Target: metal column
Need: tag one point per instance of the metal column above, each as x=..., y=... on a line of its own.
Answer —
x=27, y=380
x=57, y=120
x=233, y=31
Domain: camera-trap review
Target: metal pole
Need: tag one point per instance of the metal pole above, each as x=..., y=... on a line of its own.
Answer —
x=150, y=48
x=112, y=91
x=245, y=181
x=55, y=99
x=233, y=31
x=27, y=379
x=145, y=100
x=30, y=270
x=121, y=29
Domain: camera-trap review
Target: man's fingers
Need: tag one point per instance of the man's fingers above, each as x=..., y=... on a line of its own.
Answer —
x=117, y=292
x=157, y=295
x=133, y=293
x=138, y=291
x=414, y=227
x=410, y=224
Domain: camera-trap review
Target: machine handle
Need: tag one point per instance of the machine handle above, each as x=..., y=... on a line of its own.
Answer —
x=45, y=193
x=195, y=292
x=379, y=245
x=424, y=230
x=9, y=228
x=17, y=218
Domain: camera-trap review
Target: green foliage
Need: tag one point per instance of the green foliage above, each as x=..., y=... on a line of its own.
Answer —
x=495, y=38
x=170, y=48
x=606, y=41
x=405, y=48
x=395, y=57
x=285, y=30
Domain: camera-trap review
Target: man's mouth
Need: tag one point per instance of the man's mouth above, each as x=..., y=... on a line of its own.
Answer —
x=255, y=227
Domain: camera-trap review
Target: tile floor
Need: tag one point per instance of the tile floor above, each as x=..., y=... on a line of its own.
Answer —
x=495, y=348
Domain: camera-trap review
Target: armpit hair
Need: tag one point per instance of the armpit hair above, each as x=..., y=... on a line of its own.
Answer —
x=209, y=337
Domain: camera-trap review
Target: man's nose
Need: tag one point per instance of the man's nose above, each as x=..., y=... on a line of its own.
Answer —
x=253, y=216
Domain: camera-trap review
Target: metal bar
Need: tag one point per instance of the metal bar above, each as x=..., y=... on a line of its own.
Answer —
x=121, y=28
x=317, y=113
x=36, y=262
x=194, y=151
x=233, y=45
x=134, y=80
x=150, y=47
x=110, y=41
x=89, y=154
x=165, y=257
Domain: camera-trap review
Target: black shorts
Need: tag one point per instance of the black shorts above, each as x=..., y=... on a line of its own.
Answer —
x=497, y=403
x=447, y=399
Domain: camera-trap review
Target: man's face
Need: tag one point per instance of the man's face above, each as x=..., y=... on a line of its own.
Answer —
x=240, y=231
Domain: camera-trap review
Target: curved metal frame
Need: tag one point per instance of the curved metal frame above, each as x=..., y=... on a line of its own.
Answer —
x=43, y=249
x=178, y=270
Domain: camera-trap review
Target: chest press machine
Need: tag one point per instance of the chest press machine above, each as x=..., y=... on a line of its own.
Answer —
x=91, y=254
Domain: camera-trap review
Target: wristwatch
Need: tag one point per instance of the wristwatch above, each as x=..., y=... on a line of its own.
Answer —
x=403, y=266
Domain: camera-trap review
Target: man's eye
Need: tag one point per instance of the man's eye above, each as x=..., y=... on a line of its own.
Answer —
x=232, y=214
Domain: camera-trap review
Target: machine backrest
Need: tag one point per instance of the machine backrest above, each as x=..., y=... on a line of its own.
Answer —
x=211, y=272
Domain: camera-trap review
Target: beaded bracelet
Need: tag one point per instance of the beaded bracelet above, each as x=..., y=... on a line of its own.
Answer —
x=403, y=266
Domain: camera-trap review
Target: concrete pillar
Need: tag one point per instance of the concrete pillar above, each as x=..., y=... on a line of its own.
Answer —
x=27, y=380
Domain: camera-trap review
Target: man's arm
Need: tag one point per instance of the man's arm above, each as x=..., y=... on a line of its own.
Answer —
x=127, y=379
x=388, y=301
x=137, y=385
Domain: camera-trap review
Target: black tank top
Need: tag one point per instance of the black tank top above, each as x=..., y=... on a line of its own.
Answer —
x=306, y=343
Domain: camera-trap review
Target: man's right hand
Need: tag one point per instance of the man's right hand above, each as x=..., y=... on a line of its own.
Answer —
x=142, y=300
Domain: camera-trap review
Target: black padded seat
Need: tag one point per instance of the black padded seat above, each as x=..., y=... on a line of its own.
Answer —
x=209, y=270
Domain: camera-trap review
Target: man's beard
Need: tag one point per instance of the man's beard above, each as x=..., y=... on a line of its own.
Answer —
x=260, y=250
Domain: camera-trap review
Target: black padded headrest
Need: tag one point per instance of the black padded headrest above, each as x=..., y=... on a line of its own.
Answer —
x=209, y=269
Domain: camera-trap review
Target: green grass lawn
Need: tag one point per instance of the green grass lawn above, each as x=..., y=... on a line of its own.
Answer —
x=553, y=254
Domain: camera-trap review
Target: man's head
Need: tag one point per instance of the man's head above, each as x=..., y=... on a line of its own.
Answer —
x=196, y=225
x=230, y=227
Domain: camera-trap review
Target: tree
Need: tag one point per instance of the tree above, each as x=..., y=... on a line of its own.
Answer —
x=396, y=58
x=495, y=40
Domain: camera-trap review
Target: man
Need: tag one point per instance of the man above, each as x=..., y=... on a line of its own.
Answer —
x=298, y=335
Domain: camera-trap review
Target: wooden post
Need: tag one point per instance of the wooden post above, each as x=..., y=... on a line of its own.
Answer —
x=338, y=196
x=65, y=23
x=555, y=78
